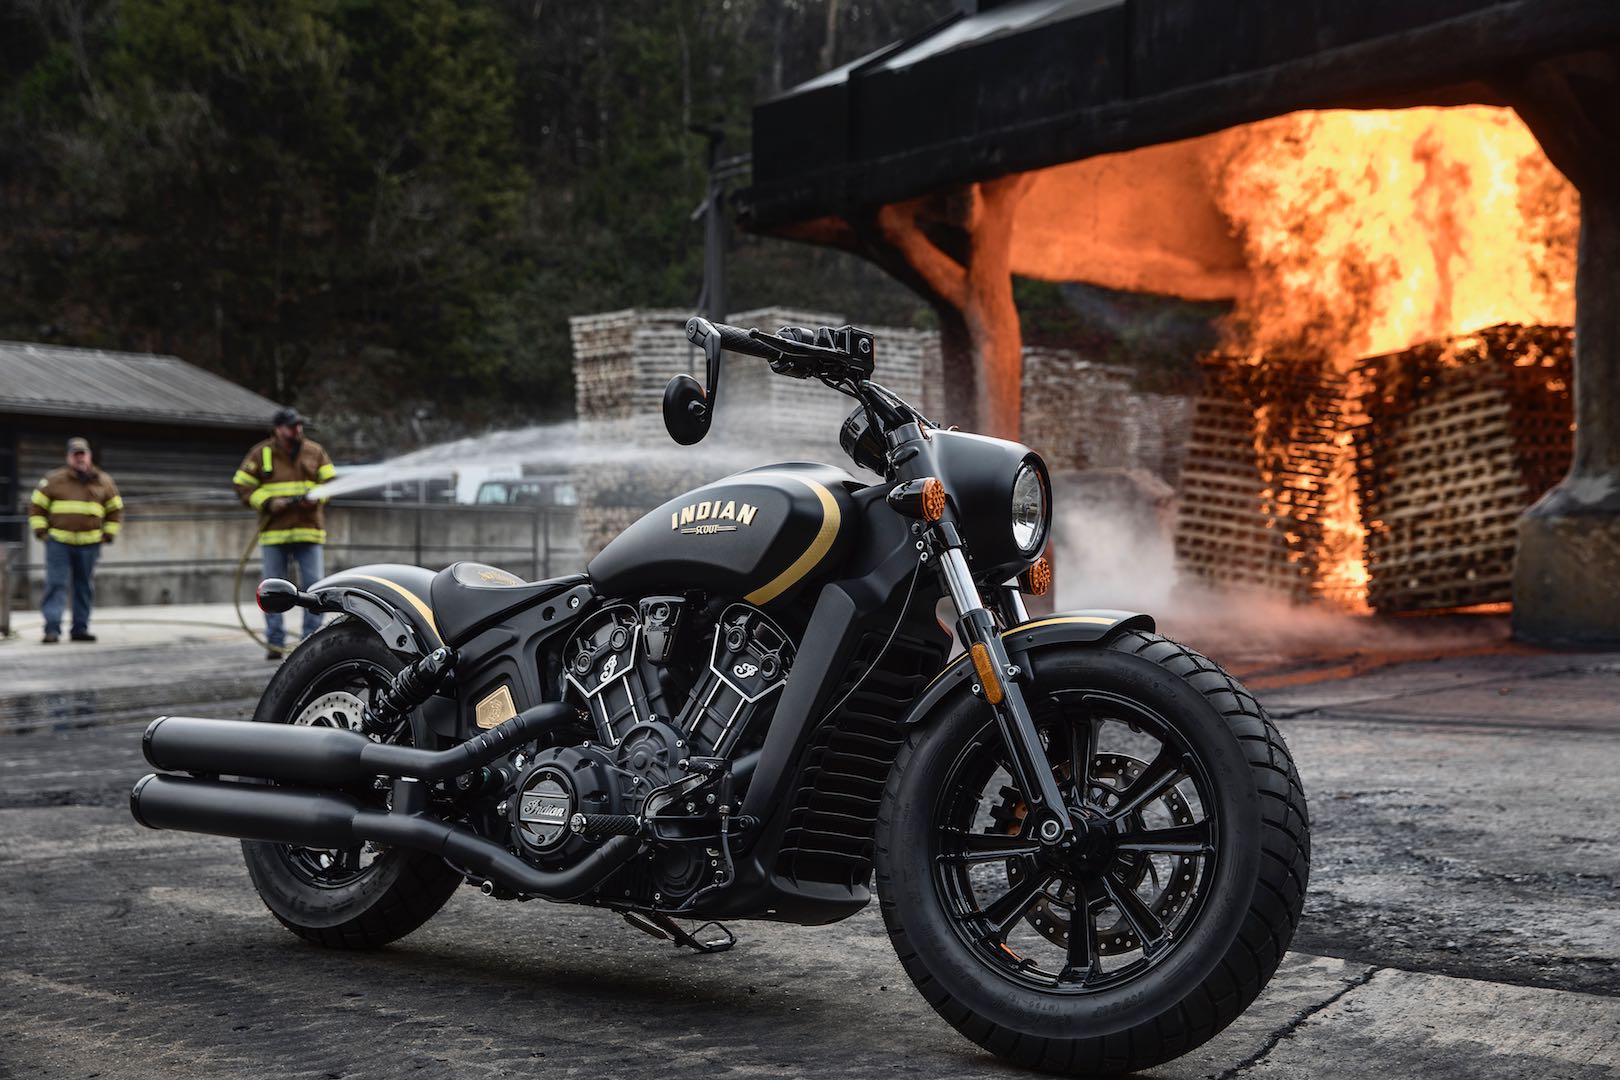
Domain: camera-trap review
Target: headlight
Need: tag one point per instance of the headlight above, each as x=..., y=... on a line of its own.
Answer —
x=1028, y=509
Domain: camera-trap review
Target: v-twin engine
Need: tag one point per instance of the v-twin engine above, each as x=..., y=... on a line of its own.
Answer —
x=634, y=665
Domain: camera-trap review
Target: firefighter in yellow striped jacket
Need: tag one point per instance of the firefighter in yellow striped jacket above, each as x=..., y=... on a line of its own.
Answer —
x=74, y=510
x=275, y=479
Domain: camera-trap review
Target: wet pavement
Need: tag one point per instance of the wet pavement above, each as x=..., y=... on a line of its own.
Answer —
x=1463, y=917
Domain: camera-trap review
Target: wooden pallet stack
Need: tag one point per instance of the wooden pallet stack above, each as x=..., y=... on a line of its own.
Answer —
x=1263, y=451
x=1077, y=413
x=1459, y=438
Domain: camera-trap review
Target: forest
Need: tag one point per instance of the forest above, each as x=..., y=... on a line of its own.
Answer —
x=385, y=212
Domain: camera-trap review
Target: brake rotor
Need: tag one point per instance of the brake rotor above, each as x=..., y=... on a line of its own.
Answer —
x=1051, y=913
x=338, y=709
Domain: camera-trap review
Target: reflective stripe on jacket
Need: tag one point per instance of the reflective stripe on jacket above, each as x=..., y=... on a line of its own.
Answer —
x=267, y=473
x=76, y=511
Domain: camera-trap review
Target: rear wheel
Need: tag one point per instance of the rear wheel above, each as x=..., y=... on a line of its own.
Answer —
x=350, y=898
x=1165, y=919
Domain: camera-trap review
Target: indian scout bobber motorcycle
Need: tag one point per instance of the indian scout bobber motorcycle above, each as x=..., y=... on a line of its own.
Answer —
x=1089, y=843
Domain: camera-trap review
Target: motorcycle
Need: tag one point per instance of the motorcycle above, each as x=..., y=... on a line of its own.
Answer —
x=1089, y=844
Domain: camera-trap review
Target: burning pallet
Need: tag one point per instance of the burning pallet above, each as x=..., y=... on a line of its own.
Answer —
x=1459, y=438
x=1263, y=454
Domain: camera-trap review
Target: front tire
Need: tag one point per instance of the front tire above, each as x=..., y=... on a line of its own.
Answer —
x=357, y=898
x=1156, y=930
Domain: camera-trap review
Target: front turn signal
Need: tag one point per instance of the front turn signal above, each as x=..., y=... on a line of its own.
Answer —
x=923, y=498
x=1038, y=578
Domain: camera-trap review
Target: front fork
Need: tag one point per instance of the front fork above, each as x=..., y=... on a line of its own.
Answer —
x=999, y=684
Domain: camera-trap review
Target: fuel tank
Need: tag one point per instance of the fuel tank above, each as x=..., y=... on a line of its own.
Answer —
x=760, y=535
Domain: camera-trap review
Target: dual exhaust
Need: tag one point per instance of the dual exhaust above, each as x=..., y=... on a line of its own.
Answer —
x=312, y=814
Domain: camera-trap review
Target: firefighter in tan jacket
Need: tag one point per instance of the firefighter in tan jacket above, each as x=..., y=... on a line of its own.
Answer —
x=74, y=510
x=275, y=478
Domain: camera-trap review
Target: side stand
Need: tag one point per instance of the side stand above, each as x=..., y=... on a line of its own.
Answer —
x=711, y=937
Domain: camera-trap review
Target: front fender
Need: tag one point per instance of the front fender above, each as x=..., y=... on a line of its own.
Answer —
x=1065, y=628
x=391, y=598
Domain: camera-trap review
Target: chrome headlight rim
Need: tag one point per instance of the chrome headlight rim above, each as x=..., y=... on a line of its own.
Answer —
x=1032, y=467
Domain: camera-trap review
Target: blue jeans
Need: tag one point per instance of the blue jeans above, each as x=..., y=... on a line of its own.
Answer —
x=62, y=561
x=278, y=561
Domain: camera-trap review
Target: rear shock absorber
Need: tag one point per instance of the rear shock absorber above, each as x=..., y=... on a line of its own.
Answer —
x=407, y=690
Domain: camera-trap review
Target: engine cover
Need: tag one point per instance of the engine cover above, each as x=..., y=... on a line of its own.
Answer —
x=556, y=785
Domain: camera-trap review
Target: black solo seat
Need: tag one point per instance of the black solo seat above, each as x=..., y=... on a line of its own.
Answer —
x=469, y=598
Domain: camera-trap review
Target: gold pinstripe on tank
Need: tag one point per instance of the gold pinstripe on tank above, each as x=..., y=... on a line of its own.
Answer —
x=831, y=521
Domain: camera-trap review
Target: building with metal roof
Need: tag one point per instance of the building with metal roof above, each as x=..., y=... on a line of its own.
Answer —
x=161, y=426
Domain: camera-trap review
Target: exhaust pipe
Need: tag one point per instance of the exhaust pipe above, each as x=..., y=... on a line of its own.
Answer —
x=332, y=820
x=330, y=757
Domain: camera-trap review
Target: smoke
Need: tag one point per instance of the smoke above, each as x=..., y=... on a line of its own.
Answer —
x=1120, y=553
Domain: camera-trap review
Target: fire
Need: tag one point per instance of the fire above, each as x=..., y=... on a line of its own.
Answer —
x=1366, y=233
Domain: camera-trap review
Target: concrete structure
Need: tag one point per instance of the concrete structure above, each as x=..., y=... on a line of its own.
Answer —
x=923, y=155
x=188, y=552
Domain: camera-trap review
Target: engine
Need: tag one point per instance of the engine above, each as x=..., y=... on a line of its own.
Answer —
x=664, y=682
x=630, y=668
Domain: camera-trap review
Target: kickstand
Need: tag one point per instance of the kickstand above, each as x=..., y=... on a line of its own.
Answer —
x=662, y=926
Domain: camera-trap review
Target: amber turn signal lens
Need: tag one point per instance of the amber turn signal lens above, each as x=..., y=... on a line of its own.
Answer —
x=987, y=674
x=933, y=499
x=1038, y=578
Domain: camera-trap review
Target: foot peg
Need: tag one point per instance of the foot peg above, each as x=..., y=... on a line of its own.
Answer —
x=711, y=937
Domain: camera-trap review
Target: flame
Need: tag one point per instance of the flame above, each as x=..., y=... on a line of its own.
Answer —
x=1366, y=233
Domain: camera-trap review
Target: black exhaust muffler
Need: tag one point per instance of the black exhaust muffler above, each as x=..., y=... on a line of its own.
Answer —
x=330, y=757
x=334, y=758
x=325, y=819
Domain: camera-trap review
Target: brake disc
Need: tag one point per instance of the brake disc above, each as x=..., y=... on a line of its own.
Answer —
x=1051, y=913
x=338, y=709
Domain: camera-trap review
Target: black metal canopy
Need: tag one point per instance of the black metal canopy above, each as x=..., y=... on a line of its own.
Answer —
x=1026, y=84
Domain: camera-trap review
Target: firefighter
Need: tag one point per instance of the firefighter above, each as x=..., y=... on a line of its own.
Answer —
x=74, y=510
x=275, y=478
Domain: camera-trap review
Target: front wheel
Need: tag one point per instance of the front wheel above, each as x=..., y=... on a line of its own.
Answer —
x=1164, y=919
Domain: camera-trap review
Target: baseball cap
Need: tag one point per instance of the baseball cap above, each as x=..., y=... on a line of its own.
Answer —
x=287, y=415
x=77, y=443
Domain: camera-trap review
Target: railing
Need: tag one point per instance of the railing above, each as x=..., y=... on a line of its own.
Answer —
x=181, y=554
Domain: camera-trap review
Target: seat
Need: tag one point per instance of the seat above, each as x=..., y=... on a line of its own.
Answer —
x=468, y=597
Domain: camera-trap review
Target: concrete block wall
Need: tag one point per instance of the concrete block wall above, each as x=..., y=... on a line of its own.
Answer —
x=188, y=553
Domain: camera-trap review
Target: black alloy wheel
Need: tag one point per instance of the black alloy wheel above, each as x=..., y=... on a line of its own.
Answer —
x=1100, y=912
x=359, y=897
x=1173, y=903
x=337, y=698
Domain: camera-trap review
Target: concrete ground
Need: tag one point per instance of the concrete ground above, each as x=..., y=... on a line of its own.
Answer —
x=1463, y=917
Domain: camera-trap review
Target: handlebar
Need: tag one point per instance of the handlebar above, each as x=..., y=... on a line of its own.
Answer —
x=841, y=354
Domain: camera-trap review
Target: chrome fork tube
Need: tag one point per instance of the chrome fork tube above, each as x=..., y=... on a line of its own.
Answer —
x=1048, y=816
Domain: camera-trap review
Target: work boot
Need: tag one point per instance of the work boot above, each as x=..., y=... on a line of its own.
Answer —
x=272, y=655
x=51, y=638
x=82, y=635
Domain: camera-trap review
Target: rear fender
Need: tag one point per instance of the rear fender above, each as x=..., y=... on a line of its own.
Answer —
x=391, y=598
x=1092, y=628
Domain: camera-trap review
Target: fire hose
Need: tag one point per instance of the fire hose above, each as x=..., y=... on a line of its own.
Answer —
x=241, y=573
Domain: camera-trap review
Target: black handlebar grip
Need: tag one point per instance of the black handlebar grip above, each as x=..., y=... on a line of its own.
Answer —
x=732, y=338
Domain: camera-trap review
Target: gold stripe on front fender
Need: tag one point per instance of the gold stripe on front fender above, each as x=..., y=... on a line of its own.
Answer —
x=415, y=601
x=1088, y=620
x=830, y=522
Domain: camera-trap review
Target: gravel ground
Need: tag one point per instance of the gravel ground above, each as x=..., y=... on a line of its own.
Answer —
x=1463, y=920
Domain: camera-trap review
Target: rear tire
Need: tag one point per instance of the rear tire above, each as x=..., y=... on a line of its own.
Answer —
x=358, y=907
x=1233, y=866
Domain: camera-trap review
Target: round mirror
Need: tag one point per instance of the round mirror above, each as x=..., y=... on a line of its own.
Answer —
x=686, y=410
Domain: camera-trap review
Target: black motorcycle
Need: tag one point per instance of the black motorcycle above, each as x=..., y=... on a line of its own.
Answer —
x=1090, y=845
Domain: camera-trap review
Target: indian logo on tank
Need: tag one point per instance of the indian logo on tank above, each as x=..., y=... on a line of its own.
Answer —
x=710, y=516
